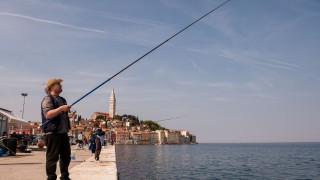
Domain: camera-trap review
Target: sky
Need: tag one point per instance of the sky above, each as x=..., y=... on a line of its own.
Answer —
x=248, y=72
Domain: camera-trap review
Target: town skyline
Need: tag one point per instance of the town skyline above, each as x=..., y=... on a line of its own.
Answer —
x=119, y=129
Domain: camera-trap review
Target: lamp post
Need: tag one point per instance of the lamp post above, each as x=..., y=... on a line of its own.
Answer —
x=24, y=100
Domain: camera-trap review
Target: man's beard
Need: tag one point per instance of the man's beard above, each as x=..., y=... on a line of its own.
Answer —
x=58, y=91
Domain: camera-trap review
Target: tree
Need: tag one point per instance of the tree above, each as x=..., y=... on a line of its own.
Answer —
x=153, y=125
x=118, y=117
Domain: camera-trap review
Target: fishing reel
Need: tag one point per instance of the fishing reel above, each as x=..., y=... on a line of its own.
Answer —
x=72, y=114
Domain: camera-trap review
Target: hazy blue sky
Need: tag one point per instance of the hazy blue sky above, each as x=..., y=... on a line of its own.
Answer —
x=249, y=72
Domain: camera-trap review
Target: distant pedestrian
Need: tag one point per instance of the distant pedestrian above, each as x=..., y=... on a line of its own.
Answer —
x=80, y=136
x=4, y=135
x=98, y=144
x=25, y=138
x=80, y=141
x=95, y=144
x=54, y=111
x=85, y=140
x=92, y=143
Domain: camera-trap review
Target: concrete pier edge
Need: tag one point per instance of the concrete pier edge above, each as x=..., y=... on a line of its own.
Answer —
x=105, y=168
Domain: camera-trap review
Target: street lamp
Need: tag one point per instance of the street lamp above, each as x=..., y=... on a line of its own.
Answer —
x=24, y=100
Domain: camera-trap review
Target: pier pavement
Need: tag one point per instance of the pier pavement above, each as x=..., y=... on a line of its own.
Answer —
x=31, y=166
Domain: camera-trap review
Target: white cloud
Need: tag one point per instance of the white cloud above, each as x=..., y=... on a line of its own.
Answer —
x=241, y=57
x=196, y=66
x=51, y=22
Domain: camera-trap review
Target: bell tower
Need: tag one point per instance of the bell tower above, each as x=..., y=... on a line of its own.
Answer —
x=112, y=106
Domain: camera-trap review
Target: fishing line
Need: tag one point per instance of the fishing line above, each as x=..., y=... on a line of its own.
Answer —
x=170, y=118
x=149, y=52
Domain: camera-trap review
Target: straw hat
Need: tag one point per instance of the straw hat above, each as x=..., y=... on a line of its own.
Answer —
x=52, y=82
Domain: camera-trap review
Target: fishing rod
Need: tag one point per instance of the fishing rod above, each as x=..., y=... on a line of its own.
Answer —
x=144, y=56
x=149, y=52
x=2, y=144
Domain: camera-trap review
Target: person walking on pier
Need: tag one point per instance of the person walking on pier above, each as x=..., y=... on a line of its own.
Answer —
x=98, y=144
x=95, y=144
x=56, y=125
x=80, y=141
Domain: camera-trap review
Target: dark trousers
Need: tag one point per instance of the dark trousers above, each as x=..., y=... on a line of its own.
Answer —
x=58, y=147
x=97, y=154
x=98, y=148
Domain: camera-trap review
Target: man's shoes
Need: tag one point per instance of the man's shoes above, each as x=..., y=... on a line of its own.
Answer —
x=64, y=178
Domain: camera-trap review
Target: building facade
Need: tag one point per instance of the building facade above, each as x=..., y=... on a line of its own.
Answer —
x=10, y=123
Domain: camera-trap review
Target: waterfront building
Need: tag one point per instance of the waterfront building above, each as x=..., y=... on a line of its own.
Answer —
x=145, y=137
x=184, y=133
x=136, y=137
x=154, y=137
x=193, y=139
x=184, y=140
x=161, y=137
x=140, y=127
x=128, y=126
x=185, y=137
x=96, y=115
x=117, y=124
x=122, y=136
x=172, y=136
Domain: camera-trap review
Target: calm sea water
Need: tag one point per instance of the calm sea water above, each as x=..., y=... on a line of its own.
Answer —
x=219, y=161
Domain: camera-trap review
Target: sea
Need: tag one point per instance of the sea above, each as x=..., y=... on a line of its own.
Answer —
x=219, y=161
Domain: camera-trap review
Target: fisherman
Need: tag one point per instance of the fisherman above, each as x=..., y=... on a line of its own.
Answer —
x=55, y=126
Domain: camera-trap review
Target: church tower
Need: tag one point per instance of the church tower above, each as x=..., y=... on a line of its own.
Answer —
x=112, y=107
